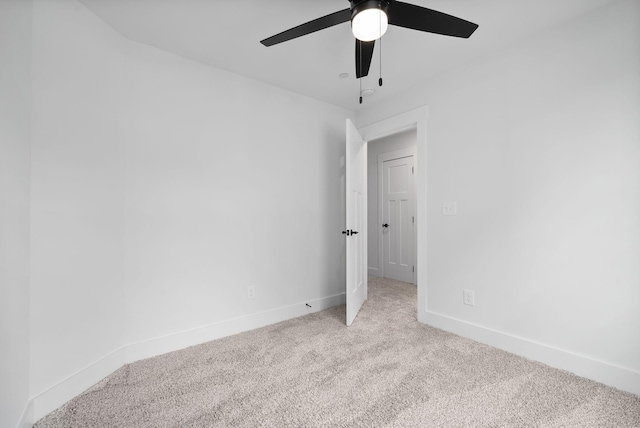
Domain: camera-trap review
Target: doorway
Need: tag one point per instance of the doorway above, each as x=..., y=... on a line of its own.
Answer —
x=391, y=207
x=412, y=120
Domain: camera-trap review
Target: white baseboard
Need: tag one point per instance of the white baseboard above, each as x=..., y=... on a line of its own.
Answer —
x=183, y=339
x=27, y=420
x=618, y=377
x=49, y=400
x=373, y=272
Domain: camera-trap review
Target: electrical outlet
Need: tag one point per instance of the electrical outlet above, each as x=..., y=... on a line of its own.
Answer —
x=450, y=208
x=251, y=292
x=468, y=297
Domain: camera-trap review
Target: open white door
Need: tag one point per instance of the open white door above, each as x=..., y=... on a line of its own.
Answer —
x=356, y=221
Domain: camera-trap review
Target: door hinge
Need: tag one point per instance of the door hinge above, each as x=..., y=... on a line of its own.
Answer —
x=414, y=268
x=412, y=171
x=413, y=219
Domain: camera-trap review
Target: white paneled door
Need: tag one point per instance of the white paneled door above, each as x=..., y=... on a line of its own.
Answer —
x=356, y=221
x=398, y=219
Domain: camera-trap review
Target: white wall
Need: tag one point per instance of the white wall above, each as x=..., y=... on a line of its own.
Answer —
x=15, y=87
x=540, y=147
x=230, y=183
x=77, y=226
x=160, y=190
x=403, y=140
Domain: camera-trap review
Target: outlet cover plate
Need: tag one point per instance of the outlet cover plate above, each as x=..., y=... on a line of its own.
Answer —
x=251, y=292
x=468, y=297
x=449, y=208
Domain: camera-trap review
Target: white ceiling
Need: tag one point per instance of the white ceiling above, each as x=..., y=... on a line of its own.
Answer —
x=226, y=34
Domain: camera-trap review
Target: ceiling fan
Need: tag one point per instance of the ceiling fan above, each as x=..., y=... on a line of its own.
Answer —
x=369, y=21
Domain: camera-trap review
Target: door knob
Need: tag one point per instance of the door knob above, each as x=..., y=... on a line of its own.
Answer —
x=346, y=232
x=385, y=225
x=353, y=232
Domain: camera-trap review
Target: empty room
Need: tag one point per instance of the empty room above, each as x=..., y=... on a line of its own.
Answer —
x=433, y=217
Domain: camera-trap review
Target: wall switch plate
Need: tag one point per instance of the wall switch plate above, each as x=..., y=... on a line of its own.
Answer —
x=468, y=297
x=449, y=208
x=251, y=292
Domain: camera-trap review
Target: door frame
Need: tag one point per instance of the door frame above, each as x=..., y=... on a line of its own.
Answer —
x=413, y=119
x=382, y=158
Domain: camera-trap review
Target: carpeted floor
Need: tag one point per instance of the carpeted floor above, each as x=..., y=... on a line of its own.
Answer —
x=385, y=370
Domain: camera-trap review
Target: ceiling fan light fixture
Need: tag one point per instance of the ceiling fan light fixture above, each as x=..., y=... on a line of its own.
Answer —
x=369, y=21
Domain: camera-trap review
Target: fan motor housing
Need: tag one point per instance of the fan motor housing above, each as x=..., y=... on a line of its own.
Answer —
x=358, y=6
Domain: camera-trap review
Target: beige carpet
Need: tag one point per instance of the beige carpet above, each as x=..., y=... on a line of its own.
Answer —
x=385, y=370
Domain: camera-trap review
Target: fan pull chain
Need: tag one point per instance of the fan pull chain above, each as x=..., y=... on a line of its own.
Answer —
x=380, y=50
x=360, y=79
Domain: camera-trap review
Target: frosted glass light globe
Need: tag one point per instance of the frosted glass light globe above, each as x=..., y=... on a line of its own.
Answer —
x=369, y=25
